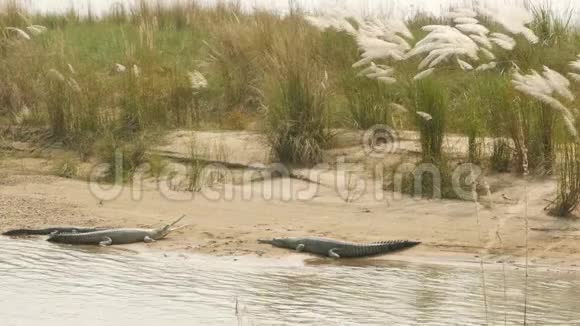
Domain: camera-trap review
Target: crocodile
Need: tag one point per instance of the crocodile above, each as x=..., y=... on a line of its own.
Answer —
x=339, y=249
x=47, y=231
x=115, y=236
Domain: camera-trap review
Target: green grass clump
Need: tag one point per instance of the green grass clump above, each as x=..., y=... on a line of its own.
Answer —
x=123, y=155
x=430, y=97
x=297, y=118
x=296, y=101
x=568, y=194
x=367, y=102
x=67, y=167
x=195, y=167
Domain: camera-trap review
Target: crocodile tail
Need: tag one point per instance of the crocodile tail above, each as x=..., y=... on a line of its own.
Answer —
x=398, y=245
x=22, y=232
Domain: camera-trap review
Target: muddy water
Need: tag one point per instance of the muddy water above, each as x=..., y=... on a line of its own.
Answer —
x=53, y=284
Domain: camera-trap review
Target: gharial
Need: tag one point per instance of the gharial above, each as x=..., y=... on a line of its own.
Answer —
x=339, y=249
x=115, y=236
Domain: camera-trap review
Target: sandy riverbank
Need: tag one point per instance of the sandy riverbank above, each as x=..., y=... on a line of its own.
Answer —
x=231, y=226
x=446, y=228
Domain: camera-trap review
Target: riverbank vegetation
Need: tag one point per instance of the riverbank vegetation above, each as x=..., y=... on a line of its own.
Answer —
x=107, y=84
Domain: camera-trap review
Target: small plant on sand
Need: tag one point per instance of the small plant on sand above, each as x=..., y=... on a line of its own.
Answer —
x=157, y=166
x=123, y=155
x=67, y=167
x=568, y=171
x=195, y=167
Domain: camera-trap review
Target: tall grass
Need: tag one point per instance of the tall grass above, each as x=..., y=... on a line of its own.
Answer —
x=430, y=97
x=367, y=102
x=296, y=105
x=568, y=172
x=301, y=75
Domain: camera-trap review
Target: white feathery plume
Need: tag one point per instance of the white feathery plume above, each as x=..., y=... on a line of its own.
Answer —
x=426, y=116
x=34, y=30
x=20, y=33
x=442, y=43
x=119, y=68
x=387, y=80
x=472, y=28
x=465, y=20
x=574, y=76
x=423, y=74
x=384, y=28
x=557, y=105
x=379, y=40
x=375, y=48
x=371, y=68
x=486, y=66
x=398, y=107
x=39, y=27
x=530, y=36
x=197, y=80
x=488, y=53
x=511, y=17
x=559, y=83
x=543, y=87
x=136, y=71
x=71, y=69
x=503, y=41
x=56, y=75
x=464, y=65
x=575, y=64
x=533, y=81
x=388, y=72
x=325, y=22
x=482, y=40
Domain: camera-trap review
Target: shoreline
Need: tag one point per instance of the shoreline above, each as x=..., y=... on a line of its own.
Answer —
x=447, y=229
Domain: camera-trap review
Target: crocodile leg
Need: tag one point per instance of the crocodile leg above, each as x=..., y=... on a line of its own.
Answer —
x=332, y=253
x=148, y=239
x=300, y=247
x=106, y=242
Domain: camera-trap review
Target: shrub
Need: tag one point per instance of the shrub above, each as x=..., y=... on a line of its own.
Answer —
x=123, y=155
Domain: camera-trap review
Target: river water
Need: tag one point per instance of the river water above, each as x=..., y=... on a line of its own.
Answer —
x=50, y=284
